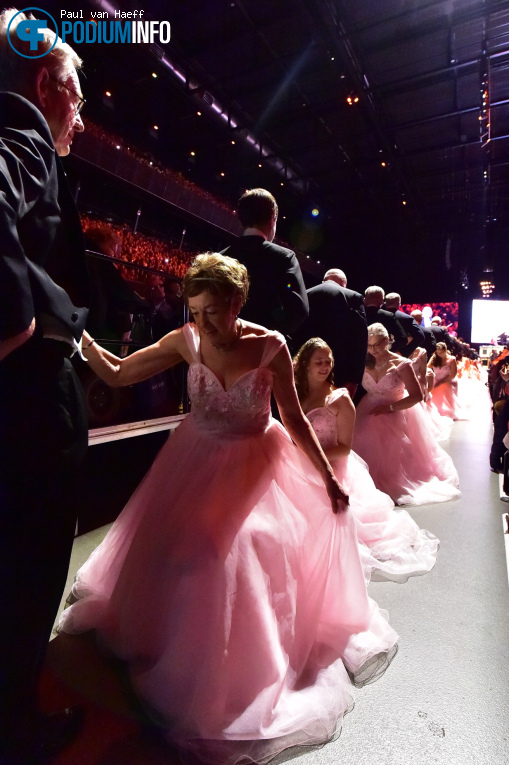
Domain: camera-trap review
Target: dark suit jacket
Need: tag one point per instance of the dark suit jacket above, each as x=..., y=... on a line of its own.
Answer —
x=42, y=262
x=390, y=323
x=277, y=295
x=411, y=328
x=441, y=335
x=337, y=315
x=429, y=341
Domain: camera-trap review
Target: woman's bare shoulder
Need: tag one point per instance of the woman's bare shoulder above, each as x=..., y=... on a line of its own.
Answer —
x=339, y=401
x=249, y=329
x=399, y=362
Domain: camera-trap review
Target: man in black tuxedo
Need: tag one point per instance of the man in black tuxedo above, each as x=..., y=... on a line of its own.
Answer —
x=336, y=314
x=429, y=338
x=373, y=299
x=411, y=328
x=277, y=295
x=440, y=332
x=43, y=427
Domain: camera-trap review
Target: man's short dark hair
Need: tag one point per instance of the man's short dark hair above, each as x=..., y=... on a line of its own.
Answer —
x=256, y=206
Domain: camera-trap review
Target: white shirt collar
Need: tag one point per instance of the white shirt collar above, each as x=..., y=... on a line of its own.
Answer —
x=252, y=231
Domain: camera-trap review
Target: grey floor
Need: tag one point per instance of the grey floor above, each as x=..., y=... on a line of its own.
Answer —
x=445, y=699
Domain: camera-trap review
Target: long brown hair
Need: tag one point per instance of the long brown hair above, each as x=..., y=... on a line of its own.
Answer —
x=301, y=365
x=437, y=361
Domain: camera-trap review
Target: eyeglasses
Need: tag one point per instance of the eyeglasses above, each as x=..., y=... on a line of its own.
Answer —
x=375, y=345
x=82, y=101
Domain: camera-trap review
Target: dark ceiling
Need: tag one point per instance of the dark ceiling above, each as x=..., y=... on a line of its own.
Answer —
x=391, y=117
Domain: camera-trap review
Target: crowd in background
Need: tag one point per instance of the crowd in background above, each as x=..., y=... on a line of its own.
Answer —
x=142, y=250
x=119, y=143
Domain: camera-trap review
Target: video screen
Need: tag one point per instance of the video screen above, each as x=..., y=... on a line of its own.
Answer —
x=448, y=312
x=490, y=319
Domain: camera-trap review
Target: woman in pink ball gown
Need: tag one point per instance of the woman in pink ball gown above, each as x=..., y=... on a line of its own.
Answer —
x=395, y=547
x=228, y=585
x=445, y=388
x=392, y=434
x=440, y=426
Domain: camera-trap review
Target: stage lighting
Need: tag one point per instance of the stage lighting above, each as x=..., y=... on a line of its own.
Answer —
x=487, y=288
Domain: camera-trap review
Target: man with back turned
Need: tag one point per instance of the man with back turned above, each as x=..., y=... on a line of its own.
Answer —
x=337, y=315
x=277, y=295
x=43, y=427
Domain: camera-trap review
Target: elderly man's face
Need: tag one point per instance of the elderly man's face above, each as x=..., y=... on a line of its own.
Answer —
x=60, y=110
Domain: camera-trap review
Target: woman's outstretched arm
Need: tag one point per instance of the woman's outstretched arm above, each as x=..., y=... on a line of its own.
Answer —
x=140, y=365
x=299, y=428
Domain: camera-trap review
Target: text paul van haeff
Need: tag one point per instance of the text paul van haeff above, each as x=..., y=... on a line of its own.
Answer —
x=101, y=14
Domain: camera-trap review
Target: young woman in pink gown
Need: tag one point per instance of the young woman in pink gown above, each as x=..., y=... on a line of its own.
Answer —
x=395, y=547
x=228, y=585
x=440, y=426
x=445, y=388
x=392, y=434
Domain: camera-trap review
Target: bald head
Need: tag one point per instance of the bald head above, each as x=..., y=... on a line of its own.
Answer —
x=335, y=275
x=417, y=315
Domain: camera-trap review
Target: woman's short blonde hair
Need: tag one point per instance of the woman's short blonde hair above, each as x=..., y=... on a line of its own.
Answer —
x=378, y=330
x=217, y=274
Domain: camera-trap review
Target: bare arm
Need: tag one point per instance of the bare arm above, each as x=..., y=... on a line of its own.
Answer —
x=452, y=373
x=430, y=379
x=344, y=410
x=413, y=389
x=421, y=377
x=140, y=365
x=9, y=345
x=299, y=428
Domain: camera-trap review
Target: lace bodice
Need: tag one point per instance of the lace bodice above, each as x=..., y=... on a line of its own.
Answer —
x=389, y=388
x=323, y=420
x=442, y=372
x=243, y=409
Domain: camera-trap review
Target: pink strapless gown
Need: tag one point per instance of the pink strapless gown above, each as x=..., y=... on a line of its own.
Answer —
x=440, y=426
x=445, y=397
x=403, y=456
x=395, y=547
x=234, y=593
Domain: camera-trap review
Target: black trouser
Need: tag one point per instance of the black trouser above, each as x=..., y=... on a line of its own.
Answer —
x=43, y=439
x=500, y=429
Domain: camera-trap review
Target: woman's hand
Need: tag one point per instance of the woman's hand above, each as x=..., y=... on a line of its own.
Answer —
x=382, y=409
x=337, y=495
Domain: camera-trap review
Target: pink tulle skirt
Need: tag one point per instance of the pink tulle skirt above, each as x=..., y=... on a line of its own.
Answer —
x=403, y=456
x=393, y=547
x=447, y=401
x=237, y=598
x=441, y=426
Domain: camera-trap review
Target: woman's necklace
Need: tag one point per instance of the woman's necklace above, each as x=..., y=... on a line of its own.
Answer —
x=234, y=342
x=379, y=367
